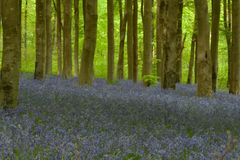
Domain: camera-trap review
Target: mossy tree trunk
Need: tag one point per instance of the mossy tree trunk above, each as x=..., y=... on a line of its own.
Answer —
x=59, y=37
x=76, y=40
x=204, y=66
x=11, y=59
x=40, y=40
x=48, y=37
x=129, y=5
x=89, y=44
x=135, y=40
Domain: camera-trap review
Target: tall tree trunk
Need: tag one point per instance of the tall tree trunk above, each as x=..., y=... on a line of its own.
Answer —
x=11, y=59
x=179, y=41
x=135, y=40
x=123, y=23
x=67, y=55
x=216, y=4
x=147, y=41
x=40, y=40
x=89, y=45
x=76, y=42
x=235, y=54
x=110, y=12
x=48, y=37
x=25, y=29
x=130, y=39
x=59, y=37
x=204, y=86
x=169, y=75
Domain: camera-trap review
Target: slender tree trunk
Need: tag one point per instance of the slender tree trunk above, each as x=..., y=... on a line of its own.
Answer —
x=123, y=23
x=40, y=40
x=147, y=40
x=89, y=45
x=48, y=37
x=67, y=59
x=130, y=39
x=216, y=4
x=204, y=86
x=135, y=40
x=110, y=11
x=179, y=41
x=25, y=29
x=169, y=75
x=11, y=59
x=235, y=54
x=76, y=42
x=59, y=37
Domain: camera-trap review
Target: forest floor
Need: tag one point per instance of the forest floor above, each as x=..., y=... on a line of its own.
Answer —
x=58, y=119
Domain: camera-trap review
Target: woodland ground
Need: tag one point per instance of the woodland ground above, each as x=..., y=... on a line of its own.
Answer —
x=58, y=119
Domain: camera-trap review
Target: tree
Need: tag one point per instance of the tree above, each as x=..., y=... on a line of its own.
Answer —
x=135, y=40
x=130, y=39
x=76, y=40
x=48, y=37
x=25, y=29
x=89, y=44
x=204, y=68
x=170, y=54
x=59, y=37
x=11, y=59
x=235, y=54
x=147, y=40
x=40, y=40
x=110, y=11
x=67, y=55
x=216, y=4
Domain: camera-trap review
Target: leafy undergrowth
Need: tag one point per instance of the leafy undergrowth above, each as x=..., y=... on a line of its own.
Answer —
x=58, y=119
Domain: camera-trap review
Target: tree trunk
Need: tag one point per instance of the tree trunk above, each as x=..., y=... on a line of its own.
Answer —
x=204, y=69
x=179, y=41
x=135, y=41
x=89, y=45
x=110, y=12
x=169, y=75
x=67, y=55
x=48, y=37
x=40, y=40
x=147, y=41
x=216, y=4
x=123, y=23
x=130, y=39
x=11, y=59
x=59, y=37
x=25, y=29
x=235, y=54
x=76, y=42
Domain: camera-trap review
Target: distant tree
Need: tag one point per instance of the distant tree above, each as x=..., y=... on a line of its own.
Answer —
x=170, y=53
x=147, y=40
x=216, y=5
x=11, y=59
x=40, y=40
x=204, y=67
x=110, y=33
x=59, y=36
x=123, y=23
x=76, y=40
x=129, y=5
x=48, y=37
x=67, y=51
x=235, y=53
x=89, y=44
x=25, y=29
x=135, y=40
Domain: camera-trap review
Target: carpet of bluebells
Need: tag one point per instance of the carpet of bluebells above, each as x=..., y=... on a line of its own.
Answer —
x=58, y=119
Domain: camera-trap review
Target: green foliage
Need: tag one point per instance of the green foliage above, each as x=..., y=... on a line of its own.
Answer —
x=150, y=79
x=132, y=156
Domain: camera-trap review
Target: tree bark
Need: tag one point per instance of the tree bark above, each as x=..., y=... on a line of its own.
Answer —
x=110, y=33
x=130, y=39
x=147, y=41
x=67, y=55
x=89, y=45
x=59, y=37
x=76, y=40
x=204, y=69
x=40, y=40
x=11, y=59
x=235, y=54
x=216, y=4
x=48, y=37
x=135, y=40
